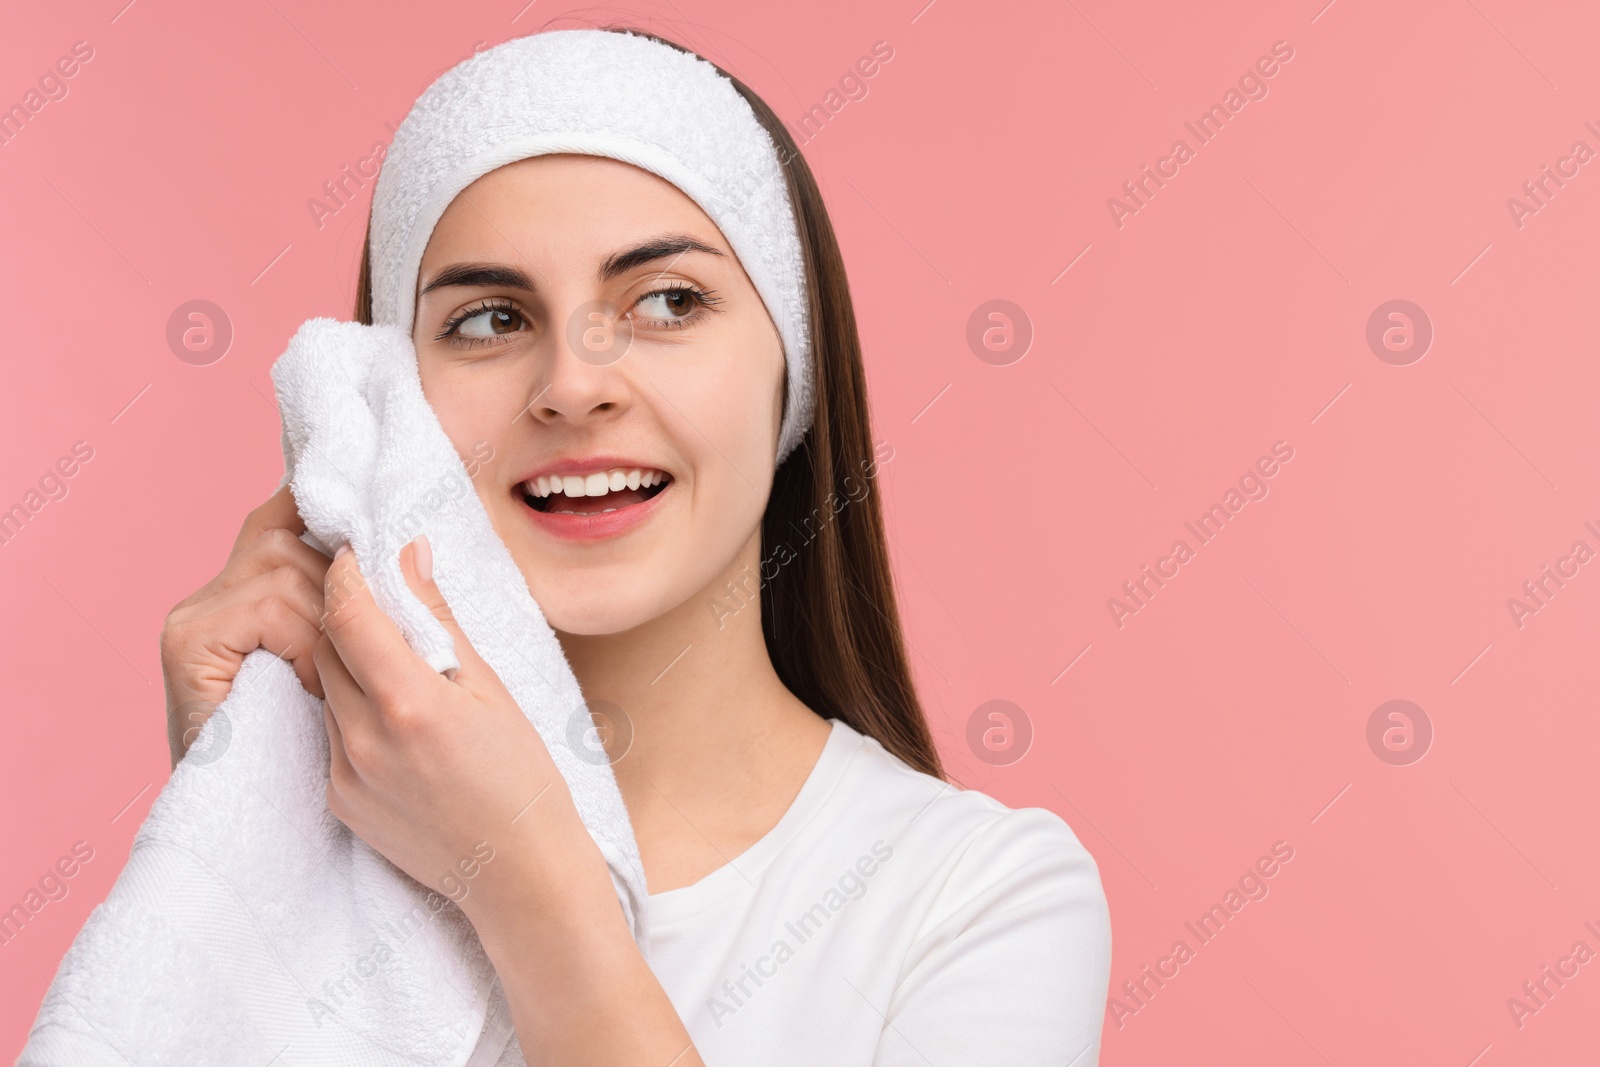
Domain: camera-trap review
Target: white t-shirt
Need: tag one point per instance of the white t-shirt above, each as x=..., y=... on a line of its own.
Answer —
x=888, y=919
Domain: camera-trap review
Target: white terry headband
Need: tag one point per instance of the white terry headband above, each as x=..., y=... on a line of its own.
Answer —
x=600, y=93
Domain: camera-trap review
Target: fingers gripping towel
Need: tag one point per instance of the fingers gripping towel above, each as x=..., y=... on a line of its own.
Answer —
x=251, y=926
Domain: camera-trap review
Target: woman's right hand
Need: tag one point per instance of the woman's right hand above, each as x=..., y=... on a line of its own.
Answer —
x=269, y=595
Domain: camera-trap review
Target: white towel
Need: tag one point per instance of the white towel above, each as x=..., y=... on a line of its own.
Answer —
x=251, y=926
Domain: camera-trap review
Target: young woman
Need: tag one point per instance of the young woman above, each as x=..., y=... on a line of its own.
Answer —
x=819, y=891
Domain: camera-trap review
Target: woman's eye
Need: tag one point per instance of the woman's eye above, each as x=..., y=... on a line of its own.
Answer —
x=490, y=322
x=673, y=306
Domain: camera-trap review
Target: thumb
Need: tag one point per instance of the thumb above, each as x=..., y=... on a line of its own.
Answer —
x=416, y=563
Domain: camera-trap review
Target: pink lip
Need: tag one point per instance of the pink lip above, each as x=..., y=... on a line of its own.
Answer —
x=569, y=527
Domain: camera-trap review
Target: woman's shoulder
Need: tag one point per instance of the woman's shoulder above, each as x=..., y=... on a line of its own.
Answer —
x=985, y=908
x=972, y=839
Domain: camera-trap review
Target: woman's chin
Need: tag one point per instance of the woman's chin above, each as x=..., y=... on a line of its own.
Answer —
x=594, y=620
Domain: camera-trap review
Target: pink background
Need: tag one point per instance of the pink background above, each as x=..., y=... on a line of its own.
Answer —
x=1229, y=313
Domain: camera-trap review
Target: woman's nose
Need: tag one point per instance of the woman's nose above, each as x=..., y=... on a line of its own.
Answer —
x=584, y=373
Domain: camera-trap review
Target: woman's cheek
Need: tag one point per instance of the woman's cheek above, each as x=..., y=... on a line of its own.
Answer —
x=478, y=432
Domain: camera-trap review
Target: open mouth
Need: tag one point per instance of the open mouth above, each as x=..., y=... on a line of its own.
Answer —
x=595, y=493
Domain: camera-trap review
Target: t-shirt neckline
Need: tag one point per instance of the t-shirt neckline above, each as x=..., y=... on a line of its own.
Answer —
x=745, y=869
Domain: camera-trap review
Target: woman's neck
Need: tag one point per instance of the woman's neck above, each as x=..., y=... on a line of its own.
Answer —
x=713, y=728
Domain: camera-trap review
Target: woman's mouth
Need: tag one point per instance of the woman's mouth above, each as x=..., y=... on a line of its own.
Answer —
x=595, y=493
x=600, y=503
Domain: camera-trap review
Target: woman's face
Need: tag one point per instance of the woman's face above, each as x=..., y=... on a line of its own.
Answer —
x=583, y=330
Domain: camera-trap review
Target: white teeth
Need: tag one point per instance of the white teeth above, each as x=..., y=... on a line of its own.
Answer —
x=598, y=483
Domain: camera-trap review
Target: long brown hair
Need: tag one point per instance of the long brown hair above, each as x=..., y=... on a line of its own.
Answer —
x=828, y=609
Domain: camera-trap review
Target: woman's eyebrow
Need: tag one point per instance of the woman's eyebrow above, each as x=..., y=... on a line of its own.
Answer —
x=657, y=247
x=505, y=276
x=483, y=275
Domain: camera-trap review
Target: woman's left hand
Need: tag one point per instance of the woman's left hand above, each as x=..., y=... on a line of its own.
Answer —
x=445, y=777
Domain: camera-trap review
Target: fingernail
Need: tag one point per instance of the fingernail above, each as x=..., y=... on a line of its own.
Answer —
x=342, y=550
x=423, y=558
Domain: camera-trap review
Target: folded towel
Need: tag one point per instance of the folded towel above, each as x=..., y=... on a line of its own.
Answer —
x=251, y=926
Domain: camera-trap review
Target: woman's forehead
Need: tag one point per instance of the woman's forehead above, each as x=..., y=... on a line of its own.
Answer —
x=568, y=205
x=567, y=183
